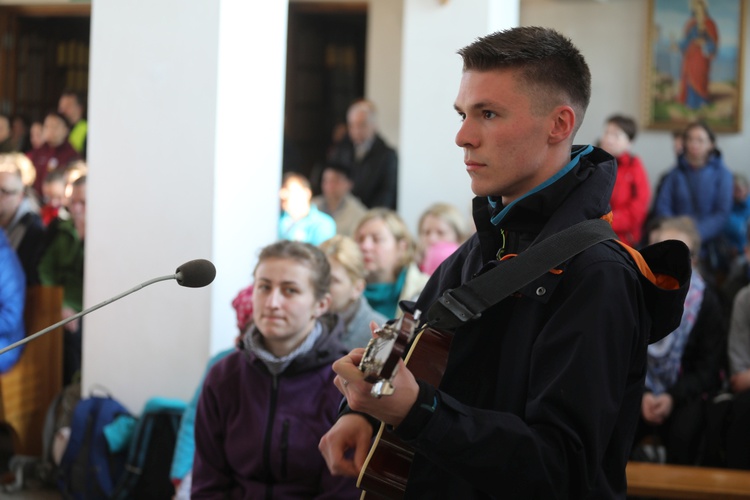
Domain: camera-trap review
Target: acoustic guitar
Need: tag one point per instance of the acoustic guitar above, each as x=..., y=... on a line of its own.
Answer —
x=386, y=468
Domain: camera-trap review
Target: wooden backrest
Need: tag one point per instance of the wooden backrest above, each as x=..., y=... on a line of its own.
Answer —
x=686, y=482
x=27, y=390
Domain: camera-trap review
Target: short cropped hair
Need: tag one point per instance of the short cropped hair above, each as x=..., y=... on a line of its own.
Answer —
x=307, y=255
x=552, y=67
x=626, y=124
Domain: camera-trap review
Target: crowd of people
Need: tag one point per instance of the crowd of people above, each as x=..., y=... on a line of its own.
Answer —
x=691, y=376
x=620, y=354
x=43, y=219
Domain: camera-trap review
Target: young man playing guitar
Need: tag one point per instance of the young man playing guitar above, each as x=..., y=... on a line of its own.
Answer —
x=541, y=394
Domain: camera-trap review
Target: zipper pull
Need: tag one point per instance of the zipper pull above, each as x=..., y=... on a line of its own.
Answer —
x=501, y=251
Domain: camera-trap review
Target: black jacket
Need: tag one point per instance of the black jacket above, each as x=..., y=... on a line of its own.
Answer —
x=541, y=395
x=375, y=176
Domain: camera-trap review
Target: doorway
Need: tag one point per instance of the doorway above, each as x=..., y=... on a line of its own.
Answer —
x=325, y=73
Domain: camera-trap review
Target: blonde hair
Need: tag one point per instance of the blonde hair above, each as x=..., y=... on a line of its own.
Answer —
x=345, y=251
x=20, y=165
x=397, y=228
x=448, y=214
x=685, y=225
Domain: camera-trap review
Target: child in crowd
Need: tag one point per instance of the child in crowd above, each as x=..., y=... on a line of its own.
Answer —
x=300, y=219
x=632, y=193
x=53, y=196
x=684, y=367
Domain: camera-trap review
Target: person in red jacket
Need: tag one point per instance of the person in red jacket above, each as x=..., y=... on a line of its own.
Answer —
x=56, y=153
x=632, y=194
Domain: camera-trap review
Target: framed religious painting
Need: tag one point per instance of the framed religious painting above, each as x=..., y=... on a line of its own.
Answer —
x=695, y=54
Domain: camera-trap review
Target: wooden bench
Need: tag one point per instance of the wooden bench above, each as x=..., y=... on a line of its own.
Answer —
x=686, y=482
x=28, y=388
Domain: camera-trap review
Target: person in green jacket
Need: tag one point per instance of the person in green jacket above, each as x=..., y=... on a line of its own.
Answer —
x=62, y=264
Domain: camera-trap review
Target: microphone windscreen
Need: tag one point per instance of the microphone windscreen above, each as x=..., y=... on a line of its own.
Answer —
x=195, y=273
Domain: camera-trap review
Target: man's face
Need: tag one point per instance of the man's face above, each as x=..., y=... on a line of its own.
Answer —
x=55, y=130
x=505, y=145
x=77, y=205
x=69, y=108
x=334, y=185
x=360, y=126
x=11, y=194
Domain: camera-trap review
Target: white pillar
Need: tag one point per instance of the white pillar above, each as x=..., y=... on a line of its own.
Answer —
x=185, y=144
x=431, y=166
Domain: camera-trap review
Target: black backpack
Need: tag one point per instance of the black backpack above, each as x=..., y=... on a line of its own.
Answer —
x=146, y=475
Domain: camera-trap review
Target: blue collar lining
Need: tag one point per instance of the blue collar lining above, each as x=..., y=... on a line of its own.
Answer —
x=582, y=151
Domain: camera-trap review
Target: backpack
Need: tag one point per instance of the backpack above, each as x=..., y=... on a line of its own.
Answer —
x=88, y=469
x=149, y=459
x=56, y=430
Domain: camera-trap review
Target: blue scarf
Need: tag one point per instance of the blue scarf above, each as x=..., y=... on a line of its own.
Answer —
x=665, y=356
x=383, y=297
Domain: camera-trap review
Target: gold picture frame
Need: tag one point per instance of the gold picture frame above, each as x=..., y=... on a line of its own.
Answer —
x=694, y=69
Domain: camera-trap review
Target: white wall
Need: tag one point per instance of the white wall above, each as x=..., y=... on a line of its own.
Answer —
x=612, y=35
x=383, y=65
x=185, y=113
x=431, y=165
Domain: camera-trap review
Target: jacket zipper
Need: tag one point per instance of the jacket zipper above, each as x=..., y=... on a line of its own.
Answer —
x=284, y=447
x=269, y=433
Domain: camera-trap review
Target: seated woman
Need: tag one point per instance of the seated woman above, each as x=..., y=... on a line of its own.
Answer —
x=264, y=408
x=347, y=285
x=388, y=251
x=684, y=368
x=442, y=229
x=699, y=186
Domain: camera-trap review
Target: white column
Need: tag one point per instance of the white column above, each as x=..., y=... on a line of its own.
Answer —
x=431, y=166
x=185, y=143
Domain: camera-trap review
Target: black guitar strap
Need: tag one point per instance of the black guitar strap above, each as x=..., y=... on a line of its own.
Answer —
x=467, y=302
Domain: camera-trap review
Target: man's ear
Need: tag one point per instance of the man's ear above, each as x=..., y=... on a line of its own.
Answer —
x=563, y=125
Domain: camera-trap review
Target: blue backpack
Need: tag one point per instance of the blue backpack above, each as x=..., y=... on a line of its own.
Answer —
x=88, y=469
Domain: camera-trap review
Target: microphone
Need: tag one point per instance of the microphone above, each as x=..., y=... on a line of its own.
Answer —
x=193, y=274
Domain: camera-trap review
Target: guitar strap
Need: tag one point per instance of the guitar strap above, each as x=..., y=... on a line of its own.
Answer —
x=467, y=302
